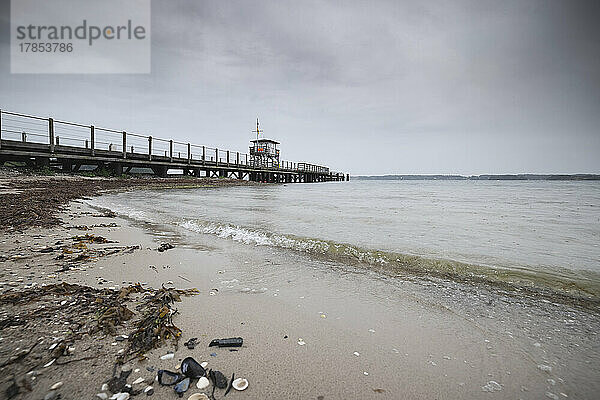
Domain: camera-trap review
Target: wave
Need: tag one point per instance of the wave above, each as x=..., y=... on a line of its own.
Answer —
x=574, y=286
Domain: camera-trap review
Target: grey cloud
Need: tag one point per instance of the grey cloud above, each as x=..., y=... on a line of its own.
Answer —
x=363, y=86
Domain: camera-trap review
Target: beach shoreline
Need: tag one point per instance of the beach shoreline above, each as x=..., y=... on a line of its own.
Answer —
x=404, y=342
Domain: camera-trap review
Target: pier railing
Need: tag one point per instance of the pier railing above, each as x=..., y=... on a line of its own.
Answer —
x=52, y=132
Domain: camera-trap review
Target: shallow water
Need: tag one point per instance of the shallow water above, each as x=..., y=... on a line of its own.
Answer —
x=295, y=245
x=528, y=231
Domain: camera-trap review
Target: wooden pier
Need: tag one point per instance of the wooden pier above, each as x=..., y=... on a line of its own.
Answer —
x=45, y=141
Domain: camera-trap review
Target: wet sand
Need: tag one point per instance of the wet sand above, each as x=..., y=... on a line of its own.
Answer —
x=409, y=343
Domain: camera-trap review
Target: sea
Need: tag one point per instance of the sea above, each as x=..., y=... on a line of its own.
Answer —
x=543, y=234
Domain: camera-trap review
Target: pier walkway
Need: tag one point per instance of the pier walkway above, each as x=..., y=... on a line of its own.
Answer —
x=46, y=141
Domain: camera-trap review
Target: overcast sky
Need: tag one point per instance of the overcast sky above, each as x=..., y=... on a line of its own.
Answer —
x=367, y=87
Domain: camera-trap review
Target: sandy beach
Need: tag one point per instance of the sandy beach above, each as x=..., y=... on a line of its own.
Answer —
x=308, y=332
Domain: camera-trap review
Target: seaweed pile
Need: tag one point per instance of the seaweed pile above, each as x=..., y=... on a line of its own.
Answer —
x=156, y=325
x=81, y=313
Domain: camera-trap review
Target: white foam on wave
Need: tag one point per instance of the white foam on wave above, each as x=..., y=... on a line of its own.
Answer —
x=254, y=237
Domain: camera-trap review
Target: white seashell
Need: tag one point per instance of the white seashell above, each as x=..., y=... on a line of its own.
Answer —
x=202, y=383
x=120, y=396
x=198, y=396
x=138, y=380
x=204, y=364
x=104, y=387
x=57, y=385
x=240, y=383
x=50, y=363
x=102, y=396
x=356, y=353
x=301, y=342
x=148, y=388
x=167, y=356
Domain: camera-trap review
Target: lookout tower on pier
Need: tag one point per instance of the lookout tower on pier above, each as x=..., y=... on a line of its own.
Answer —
x=263, y=152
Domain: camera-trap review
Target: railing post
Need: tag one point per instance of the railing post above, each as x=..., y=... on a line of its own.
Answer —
x=171, y=150
x=217, y=156
x=237, y=158
x=0, y=129
x=228, y=158
x=87, y=143
x=124, y=144
x=23, y=137
x=150, y=148
x=92, y=139
x=203, y=155
x=189, y=153
x=51, y=134
x=58, y=141
x=246, y=159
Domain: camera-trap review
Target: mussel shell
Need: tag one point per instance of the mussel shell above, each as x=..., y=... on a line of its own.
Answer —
x=182, y=386
x=219, y=379
x=191, y=368
x=168, y=378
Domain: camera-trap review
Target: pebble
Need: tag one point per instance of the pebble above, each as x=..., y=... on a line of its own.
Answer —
x=492, y=386
x=356, y=353
x=57, y=385
x=120, y=396
x=167, y=356
x=50, y=395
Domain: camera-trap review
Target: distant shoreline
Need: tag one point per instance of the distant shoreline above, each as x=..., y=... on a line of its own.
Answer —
x=504, y=177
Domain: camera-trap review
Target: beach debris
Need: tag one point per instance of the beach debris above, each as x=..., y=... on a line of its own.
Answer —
x=229, y=342
x=168, y=378
x=51, y=395
x=202, y=383
x=240, y=384
x=191, y=343
x=56, y=386
x=165, y=247
x=117, y=384
x=191, y=368
x=49, y=363
x=218, y=379
x=301, y=342
x=230, y=384
x=182, y=387
x=492, y=386
x=198, y=396
x=168, y=356
x=157, y=324
x=138, y=380
x=545, y=368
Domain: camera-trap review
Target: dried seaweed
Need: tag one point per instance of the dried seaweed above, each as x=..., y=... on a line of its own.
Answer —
x=156, y=326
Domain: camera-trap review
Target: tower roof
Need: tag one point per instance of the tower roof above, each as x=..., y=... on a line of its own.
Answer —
x=264, y=141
